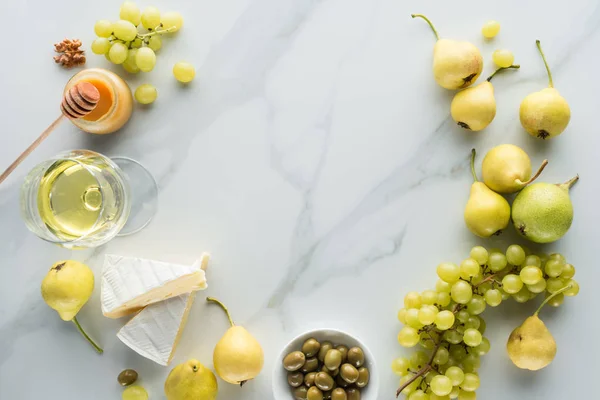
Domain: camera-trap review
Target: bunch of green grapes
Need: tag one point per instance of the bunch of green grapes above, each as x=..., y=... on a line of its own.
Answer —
x=447, y=323
x=134, y=39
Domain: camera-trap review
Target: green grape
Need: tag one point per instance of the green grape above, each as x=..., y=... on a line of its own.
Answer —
x=433, y=396
x=553, y=268
x=515, y=254
x=418, y=395
x=464, y=395
x=444, y=299
x=146, y=94
x=442, y=286
x=129, y=65
x=454, y=393
x=461, y=292
x=427, y=314
x=172, y=20
x=408, y=337
x=124, y=30
x=568, y=271
x=429, y=297
x=472, y=322
x=469, y=268
x=426, y=341
x=137, y=43
x=103, y=28
x=485, y=286
x=150, y=18
x=444, y=320
x=418, y=360
x=412, y=386
x=448, y=272
x=452, y=337
x=118, y=53
x=472, y=337
x=522, y=296
x=493, y=297
x=533, y=260
x=470, y=383
x=471, y=363
x=412, y=318
x=100, y=46
x=553, y=285
x=441, y=385
x=451, y=363
x=503, y=59
x=461, y=329
x=557, y=300
x=489, y=30
x=512, y=283
x=412, y=300
x=463, y=316
x=400, y=366
x=441, y=356
x=107, y=56
x=458, y=352
x=155, y=43
x=402, y=316
x=145, y=59
x=479, y=254
x=484, y=347
x=497, y=261
x=482, y=325
x=476, y=305
x=558, y=257
x=574, y=290
x=543, y=258
x=456, y=375
x=538, y=287
x=531, y=275
x=135, y=392
x=130, y=12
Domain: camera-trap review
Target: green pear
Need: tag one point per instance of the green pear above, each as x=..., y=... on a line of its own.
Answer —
x=486, y=212
x=475, y=108
x=543, y=212
x=507, y=169
x=456, y=64
x=545, y=114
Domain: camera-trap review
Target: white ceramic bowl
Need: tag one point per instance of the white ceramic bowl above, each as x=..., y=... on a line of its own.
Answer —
x=283, y=391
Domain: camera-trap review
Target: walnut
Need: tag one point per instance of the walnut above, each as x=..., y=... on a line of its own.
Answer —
x=69, y=53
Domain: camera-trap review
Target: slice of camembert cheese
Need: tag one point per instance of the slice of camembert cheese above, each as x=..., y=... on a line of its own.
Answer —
x=155, y=331
x=130, y=284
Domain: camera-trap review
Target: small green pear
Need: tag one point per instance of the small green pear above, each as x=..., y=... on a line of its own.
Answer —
x=486, y=212
x=543, y=212
x=456, y=64
x=475, y=108
x=545, y=114
x=507, y=169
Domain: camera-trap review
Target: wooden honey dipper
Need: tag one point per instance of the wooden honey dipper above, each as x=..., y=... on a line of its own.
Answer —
x=77, y=102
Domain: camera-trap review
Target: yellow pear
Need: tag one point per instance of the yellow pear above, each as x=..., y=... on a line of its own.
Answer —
x=456, y=64
x=191, y=380
x=486, y=212
x=475, y=108
x=238, y=357
x=545, y=114
x=531, y=345
x=507, y=169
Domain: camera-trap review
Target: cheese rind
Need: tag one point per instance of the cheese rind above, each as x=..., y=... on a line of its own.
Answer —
x=130, y=284
x=155, y=331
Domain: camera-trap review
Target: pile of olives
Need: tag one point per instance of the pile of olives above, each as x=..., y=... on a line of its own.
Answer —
x=322, y=371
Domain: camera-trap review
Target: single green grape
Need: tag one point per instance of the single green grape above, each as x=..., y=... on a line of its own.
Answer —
x=493, y=297
x=184, y=72
x=454, y=393
x=497, y=261
x=452, y=337
x=539, y=287
x=464, y=395
x=444, y=320
x=553, y=268
x=533, y=260
x=425, y=340
x=418, y=395
x=479, y=254
x=490, y=29
x=444, y=299
x=456, y=375
x=448, y=272
x=101, y=45
x=512, y=283
x=568, y=271
x=412, y=386
x=427, y=314
x=473, y=322
x=118, y=53
x=135, y=392
x=145, y=59
x=429, y=377
x=402, y=316
x=482, y=325
x=150, y=17
x=412, y=318
x=442, y=286
x=441, y=385
x=146, y=94
x=472, y=337
x=433, y=396
x=504, y=59
x=484, y=347
x=531, y=275
x=400, y=366
x=476, y=305
x=460, y=329
x=136, y=43
x=469, y=268
x=408, y=337
x=418, y=360
x=130, y=12
x=557, y=300
x=574, y=290
x=103, y=28
x=470, y=383
x=124, y=30
x=172, y=20
x=457, y=352
x=429, y=297
x=155, y=43
x=553, y=285
x=558, y=257
x=461, y=292
x=505, y=296
x=515, y=254
x=463, y=316
x=441, y=356
x=412, y=300
x=471, y=363
x=522, y=296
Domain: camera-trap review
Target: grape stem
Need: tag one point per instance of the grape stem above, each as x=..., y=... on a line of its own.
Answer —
x=489, y=79
x=156, y=32
x=534, y=177
x=539, y=46
x=487, y=279
x=550, y=298
x=85, y=335
x=437, y=37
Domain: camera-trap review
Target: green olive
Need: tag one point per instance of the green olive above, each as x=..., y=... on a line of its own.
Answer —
x=127, y=377
x=309, y=379
x=356, y=357
x=301, y=393
x=344, y=350
x=311, y=347
x=349, y=373
x=295, y=379
x=339, y=394
x=324, y=381
x=314, y=394
x=325, y=347
x=363, y=377
x=341, y=382
x=333, y=359
x=353, y=393
x=311, y=364
x=294, y=361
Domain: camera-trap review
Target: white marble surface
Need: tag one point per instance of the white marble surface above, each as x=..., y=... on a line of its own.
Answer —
x=315, y=158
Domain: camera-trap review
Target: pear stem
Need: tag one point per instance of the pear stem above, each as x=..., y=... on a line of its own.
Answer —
x=515, y=66
x=85, y=335
x=550, y=298
x=437, y=37
x=473, y=153
x=534, y=177
x=539, y=46
x=570, y=182
x=212, y=299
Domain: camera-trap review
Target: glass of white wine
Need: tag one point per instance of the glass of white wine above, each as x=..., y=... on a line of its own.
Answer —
x=82, y=199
